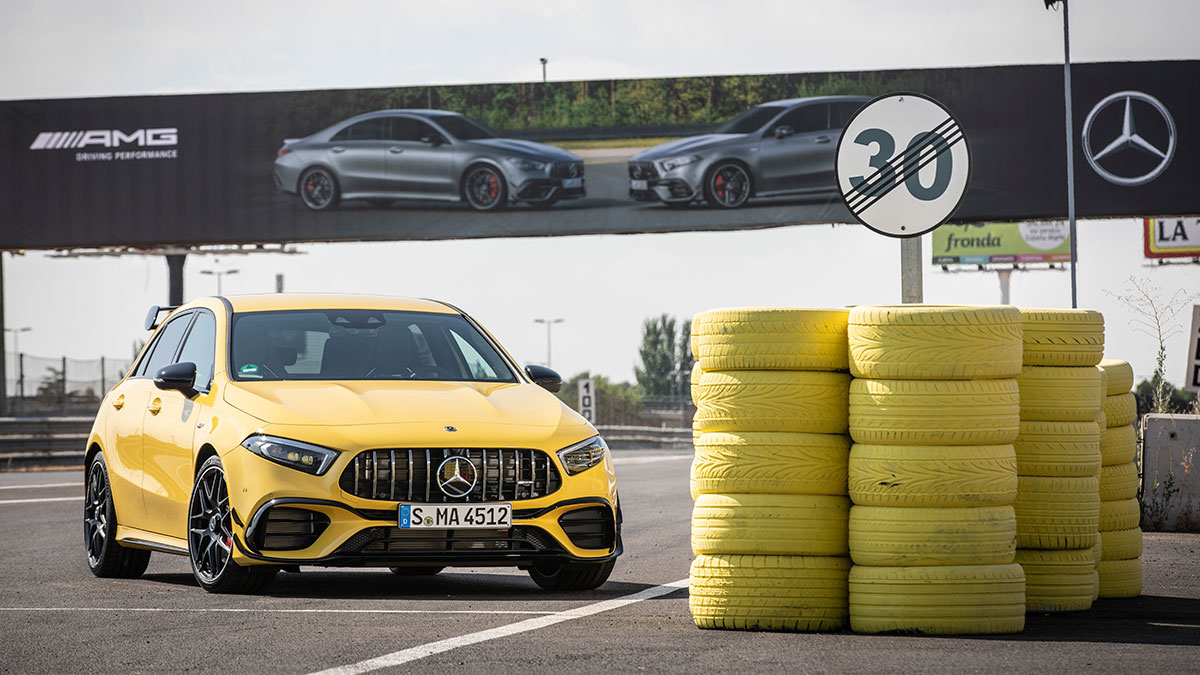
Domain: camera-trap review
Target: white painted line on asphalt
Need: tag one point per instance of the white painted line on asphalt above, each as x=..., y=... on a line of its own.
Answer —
x=252, y=610
x=36, y=501
x=646, y=460
x=414, y=653
x=43, y=485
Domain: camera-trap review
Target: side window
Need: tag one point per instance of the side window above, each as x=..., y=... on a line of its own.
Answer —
x=200, y=349
x=366, y=130
x=163, y=351
x=804, y=119
x=842, y=112
x=409, y=129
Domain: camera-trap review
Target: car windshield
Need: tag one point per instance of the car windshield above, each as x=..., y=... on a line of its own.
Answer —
x=463, y=128
x=750, y=121
x=362, y=344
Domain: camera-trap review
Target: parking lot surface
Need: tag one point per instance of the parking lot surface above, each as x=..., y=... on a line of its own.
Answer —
x=58, y=618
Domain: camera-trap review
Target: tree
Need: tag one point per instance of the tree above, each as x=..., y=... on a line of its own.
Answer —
x=1156, y=318
x=685, y=359
x=616, y=402
x=656, y=375
x=1173, y=401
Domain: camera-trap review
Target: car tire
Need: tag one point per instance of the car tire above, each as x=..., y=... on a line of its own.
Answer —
x=929, y=476
x=319, y=189
x=931, y=342
x=951, y=600
x=416, y=571
x=1060, y=394
x=557, y=574
x=1121, y=544
x=728, y=185
x=1120, y=410
x=1120, y=376
x=1119, y=445
x=885, y=536
x=1119, y=481
x=772, y=400
x=1120, y=514
x=1062, y=337
x=770, y=463
x=759, y=592
x=1120, y=578
x=210, y=532
x=923, y=412
x=809, y=525
x=484, y=188
x=1058, y=449
x=771, y=339
x=1058, y=581
x=1057, y=513
x=106, y=556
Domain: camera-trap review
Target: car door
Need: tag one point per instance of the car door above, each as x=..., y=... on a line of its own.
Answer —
x=168, y=431
x=356, y=155
x=801, y=159
x=417, y=168
x=129, y=400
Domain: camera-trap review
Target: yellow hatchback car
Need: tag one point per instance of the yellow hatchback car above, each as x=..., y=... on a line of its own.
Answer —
x=257, y=433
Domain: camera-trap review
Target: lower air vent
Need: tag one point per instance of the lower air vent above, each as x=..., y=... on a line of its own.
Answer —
x=590, y=528
x=290, y=529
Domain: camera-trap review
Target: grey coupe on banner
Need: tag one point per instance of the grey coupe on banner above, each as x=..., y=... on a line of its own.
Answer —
x=424, y=154
x=778, y=148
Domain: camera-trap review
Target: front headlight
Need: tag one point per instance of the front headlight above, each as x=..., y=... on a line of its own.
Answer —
x=293, y=454
x=527, y=164
x=676, y=162
x=583, y=455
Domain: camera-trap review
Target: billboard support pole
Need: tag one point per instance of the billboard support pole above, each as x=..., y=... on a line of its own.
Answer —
x=911, y=283
x=1005, y=277
x=1070, y=149
x=175, y=278
x=3, y=347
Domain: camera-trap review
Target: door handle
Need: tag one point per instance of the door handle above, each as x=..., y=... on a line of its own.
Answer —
x=119, y=402
x=395, y=149
x=155, y=406
x=337, y=148
x=822, y=139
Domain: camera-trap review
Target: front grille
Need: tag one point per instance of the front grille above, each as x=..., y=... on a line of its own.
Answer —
x=382, y=540
x=589, y=528
x=410, y=475
x=566, y=170
x=290, y=529
x=642, y=171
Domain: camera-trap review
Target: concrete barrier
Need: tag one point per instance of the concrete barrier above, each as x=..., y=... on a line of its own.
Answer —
x=1170, y=474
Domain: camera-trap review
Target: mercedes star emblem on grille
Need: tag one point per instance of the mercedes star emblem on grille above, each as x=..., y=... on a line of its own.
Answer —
x=573, y=170
x=1130, y=139
x=456, y=477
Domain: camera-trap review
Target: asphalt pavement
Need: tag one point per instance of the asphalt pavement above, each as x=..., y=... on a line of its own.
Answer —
x=58, y=618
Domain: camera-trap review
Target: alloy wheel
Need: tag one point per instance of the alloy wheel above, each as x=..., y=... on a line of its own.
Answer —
x=730, y=186
x=210, y=533
x=95, y=513
x=483, y=188
x=317, y=189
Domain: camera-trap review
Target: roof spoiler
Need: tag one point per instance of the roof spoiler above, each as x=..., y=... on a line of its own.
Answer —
x=152, y=315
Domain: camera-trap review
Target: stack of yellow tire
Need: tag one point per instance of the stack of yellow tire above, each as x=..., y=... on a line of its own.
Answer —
x=769, y=475
x=1120, y=568
x=932, y=472
x=1058, y=458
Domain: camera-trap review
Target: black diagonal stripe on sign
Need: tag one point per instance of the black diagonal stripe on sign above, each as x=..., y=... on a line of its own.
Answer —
x=862, y=195
x=902, y=176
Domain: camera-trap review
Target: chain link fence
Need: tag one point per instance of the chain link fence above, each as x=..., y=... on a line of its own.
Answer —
x=39, y=385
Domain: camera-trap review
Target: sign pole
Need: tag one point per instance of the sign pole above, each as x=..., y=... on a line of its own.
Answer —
x=912, y=286
x=1070, y=150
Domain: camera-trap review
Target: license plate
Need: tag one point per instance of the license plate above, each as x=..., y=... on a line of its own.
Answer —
x=639, y=185
x=455, y=516
x=572, y=183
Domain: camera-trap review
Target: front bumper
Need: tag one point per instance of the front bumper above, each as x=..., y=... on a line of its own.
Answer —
x=649, y=183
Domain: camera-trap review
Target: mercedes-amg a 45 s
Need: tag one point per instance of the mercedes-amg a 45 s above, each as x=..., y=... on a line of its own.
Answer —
x=256, y=433
x=387, y=155
x=778, y=148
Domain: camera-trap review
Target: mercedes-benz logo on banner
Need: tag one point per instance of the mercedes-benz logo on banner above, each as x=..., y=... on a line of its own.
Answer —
x=1157, y=144
x=456, y=477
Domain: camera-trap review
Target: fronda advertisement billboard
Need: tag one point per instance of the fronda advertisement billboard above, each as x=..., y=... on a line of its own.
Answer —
x=1031, y=241
x=566, y=158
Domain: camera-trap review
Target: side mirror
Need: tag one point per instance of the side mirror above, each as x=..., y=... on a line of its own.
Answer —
x=432, y=139
x=179, y=377
x=783, y=131
x=545, y=378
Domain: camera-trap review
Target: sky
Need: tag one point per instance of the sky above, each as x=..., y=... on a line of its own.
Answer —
x=602, y=286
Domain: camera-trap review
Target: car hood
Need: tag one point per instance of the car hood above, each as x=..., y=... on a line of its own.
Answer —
x=424, y=404
x=530, y=149
x=684, y=146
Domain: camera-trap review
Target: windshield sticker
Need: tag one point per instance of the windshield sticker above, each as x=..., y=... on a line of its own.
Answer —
x=248, y=369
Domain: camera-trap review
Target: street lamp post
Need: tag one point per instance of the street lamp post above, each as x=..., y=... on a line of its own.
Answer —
x=218, y=274
x=544, y=61
x=549, y=323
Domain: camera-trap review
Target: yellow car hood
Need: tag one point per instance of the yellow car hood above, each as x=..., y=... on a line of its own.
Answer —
x=358, y=402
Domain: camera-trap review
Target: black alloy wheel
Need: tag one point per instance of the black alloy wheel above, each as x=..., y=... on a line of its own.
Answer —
x=484, y=188
x=728, y=186
x=210, y=537
x=319, y=189
x=106, y=557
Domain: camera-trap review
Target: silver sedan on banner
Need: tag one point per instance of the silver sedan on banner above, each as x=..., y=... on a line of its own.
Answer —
x=424, y=154
x=778, y=148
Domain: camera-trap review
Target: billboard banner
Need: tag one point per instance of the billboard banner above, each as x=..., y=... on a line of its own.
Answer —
x=1031, y=241
x=567, y=158
x=1172, y=237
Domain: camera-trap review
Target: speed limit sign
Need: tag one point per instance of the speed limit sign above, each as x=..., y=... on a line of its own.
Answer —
x=902, y=164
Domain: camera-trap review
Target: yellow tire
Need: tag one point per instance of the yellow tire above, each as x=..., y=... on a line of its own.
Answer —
x=771, y=339
x=1120, y=376
x=953, y=600
x=1120, y=409
x=1059, y=394
x=770, y=524
x=1057, y=513
x=1120, y=514
x=1119, y=445
x=1062, y=337
x=770, y=463
x=916, y=412
x=1102, y=424
x=934, y=342
x=697, y=371
x=944, y=476
x=1103, y=381
x=1058, y=449
x=1058, y=581
x=884, y=536
x=1121, y=544
x=1119, y=481
x=749, y=400
x=758, y=592
x=1118, y=579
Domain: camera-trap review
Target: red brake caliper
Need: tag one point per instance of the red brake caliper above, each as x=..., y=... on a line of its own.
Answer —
x=493, y=186
x=719, y=186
